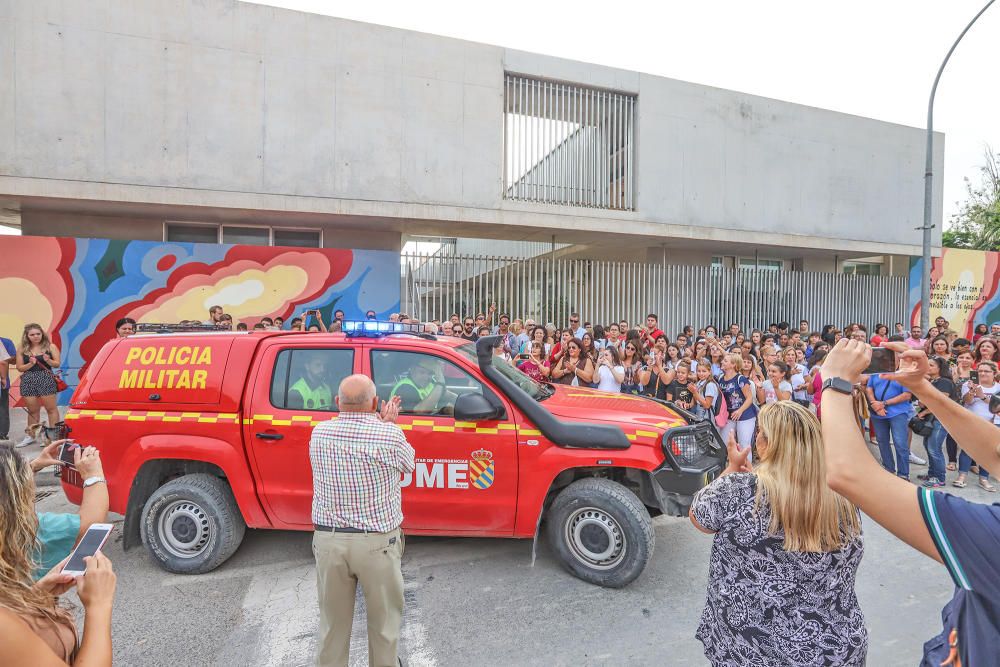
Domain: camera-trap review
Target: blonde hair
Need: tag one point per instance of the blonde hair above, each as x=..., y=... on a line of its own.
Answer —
x=792, y=477
x=736, y=359
x=18, y=536
x=45, y=343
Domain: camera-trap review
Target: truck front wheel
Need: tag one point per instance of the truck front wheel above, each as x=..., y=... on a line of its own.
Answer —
x=192, y=524
x=601, y=532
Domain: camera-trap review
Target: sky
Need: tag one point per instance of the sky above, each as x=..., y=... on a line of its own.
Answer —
x=874, y=58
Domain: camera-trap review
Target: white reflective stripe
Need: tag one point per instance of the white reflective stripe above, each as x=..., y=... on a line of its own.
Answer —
x=927, y=498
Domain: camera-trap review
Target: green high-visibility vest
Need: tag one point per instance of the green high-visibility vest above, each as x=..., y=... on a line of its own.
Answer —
x=318, y=398
x=407, y=382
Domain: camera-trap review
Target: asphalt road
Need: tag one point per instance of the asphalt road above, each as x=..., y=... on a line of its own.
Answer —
x=480, y=601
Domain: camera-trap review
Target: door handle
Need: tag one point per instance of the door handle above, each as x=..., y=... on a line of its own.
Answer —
x=270, y=436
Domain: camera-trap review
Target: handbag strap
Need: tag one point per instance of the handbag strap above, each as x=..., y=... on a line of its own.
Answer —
x=885, y=388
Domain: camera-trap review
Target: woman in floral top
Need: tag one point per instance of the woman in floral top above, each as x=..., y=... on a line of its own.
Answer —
x=785, y=554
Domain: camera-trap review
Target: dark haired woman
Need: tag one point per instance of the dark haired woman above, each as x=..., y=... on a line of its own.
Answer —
x=636, y=375
x=125, y=327
x=574, y=368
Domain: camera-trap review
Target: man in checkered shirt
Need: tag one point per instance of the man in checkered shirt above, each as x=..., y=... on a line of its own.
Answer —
x=357, y=461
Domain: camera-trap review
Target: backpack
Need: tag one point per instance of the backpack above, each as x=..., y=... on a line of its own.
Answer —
x=719, y=409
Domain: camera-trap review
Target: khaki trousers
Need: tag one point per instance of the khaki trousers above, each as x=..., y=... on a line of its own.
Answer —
x=342, y=561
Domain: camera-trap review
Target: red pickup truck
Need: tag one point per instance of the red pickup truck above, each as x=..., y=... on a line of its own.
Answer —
x=205, y=434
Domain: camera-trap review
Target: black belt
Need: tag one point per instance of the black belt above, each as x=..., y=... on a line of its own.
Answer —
x=341, y=529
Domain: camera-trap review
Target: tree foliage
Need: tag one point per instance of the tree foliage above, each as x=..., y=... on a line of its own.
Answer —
x=977, y=224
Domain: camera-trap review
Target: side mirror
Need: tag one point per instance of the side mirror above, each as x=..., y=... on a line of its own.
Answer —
x=474, y=408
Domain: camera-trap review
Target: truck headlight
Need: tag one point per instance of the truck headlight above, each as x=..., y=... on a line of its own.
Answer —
x=692, y=446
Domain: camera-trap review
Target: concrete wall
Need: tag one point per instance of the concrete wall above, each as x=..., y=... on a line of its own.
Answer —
x=216, y=102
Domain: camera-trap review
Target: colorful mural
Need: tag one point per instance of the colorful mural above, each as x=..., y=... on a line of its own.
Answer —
x=965, y=288
x=78, y=288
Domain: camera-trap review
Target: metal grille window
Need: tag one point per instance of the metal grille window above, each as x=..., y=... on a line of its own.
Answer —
x=568, y=144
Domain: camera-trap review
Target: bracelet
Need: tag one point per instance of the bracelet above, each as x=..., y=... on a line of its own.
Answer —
x=90, y=481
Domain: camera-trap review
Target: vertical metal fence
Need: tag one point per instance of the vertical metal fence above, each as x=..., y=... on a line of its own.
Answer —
x=548, y=290
x=568, y=144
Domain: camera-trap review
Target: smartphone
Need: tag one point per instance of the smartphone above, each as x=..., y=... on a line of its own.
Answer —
x=92, y=541
x=974, y=377
x=66, y=453
x=883, y=361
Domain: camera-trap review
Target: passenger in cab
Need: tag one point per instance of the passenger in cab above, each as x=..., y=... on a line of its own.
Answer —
x=311, y=391
x=424, y=391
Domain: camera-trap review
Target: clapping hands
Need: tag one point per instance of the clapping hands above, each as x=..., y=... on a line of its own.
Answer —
x=390, y=410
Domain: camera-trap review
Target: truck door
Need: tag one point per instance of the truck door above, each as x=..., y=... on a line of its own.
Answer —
x=465, y=478
x=293, y=391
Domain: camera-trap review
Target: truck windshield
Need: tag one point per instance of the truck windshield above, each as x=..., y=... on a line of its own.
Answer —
x=536, y=390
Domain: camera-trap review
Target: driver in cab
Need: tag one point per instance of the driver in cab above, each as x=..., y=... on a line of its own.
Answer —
x=423, y=391
x=311, y=391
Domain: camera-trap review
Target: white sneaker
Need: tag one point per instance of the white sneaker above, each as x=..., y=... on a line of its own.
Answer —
x=28, y=440
x=917, y=460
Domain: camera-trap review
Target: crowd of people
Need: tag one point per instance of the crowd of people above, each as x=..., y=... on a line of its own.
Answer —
x=793, y=404
x=729, y=374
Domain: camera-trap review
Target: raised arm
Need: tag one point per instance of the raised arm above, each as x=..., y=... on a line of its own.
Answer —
x=851, y=470
x=978, y=437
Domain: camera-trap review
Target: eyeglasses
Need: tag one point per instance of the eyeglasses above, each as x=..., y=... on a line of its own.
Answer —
x=574, y=321
x=468, y=324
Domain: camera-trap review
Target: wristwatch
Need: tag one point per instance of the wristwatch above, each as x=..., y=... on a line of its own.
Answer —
x=90, y=481
x=837, y=384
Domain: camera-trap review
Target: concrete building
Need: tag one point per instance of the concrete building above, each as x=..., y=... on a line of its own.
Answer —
x=216, y=120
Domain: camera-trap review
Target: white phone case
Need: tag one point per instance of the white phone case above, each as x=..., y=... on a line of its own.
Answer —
x=106, y=528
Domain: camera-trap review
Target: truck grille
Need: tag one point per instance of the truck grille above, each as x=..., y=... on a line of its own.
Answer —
x=692, y=445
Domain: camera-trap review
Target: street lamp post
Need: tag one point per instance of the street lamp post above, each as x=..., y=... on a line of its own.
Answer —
x=925, y=278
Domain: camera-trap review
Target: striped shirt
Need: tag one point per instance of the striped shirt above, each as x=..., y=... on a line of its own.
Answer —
x=357, y=460
x=967, y=537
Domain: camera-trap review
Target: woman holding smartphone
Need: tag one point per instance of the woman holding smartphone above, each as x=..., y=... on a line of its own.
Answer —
x=37, y=629
x=659, y=376
x=976, y=399
x=636, y=375
x=610, y=371
x=37, y=362
x=535, y=366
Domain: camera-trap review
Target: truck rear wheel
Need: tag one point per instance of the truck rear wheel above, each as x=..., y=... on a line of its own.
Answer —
x=601, y=532
x=192, y=524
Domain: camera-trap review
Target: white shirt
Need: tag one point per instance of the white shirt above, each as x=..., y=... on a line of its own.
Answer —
x=606, y=380
x=3, y=354
x=981, y=407
x=797, y=380
x=770, y=395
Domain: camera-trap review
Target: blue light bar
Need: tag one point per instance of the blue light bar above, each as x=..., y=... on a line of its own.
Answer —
x=378, y=328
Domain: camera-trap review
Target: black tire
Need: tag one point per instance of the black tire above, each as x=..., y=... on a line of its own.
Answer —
x=192, y=524
x=597, y=517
